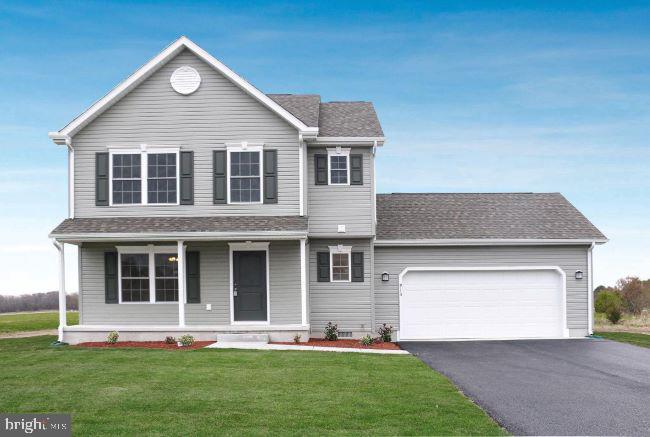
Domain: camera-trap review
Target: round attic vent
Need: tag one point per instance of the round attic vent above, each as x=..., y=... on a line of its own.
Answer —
x=185, y=80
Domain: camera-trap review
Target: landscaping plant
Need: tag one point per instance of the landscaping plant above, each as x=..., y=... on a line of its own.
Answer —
x=186, y=340
x=296, y=338
x=386, y=333
x=112, y=337
x=331, y=331
x=170, y=340
x=366, y=340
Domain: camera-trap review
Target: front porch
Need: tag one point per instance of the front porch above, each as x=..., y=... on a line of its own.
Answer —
x=149, y=289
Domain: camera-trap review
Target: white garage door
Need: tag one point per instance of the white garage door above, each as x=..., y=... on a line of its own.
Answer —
x=481, y=304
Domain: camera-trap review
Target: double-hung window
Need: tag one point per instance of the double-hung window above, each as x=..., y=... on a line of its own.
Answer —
x=148, y=274
x=340, y=263
x=144, y=177
x=244, y=174
x=339, y=166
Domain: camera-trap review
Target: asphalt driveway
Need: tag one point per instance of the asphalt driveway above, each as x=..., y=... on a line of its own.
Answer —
x=550, y=387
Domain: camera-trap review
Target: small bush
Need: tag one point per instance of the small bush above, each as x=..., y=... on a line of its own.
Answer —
x=331, y=331
x=170, y=340
x=186, y=340
x=386, y=332
x=606, y=300
x=296, y=338
x=367, y=340
x=112, y=338
x=613, y=314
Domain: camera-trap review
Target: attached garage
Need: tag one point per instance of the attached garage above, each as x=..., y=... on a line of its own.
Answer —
x=482, y=303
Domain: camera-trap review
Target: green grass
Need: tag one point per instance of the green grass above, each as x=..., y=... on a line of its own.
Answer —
x=16, y=322
x=170, y=392
x=627, y=337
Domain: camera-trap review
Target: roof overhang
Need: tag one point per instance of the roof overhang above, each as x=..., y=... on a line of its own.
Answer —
x=370, y=141
x=176, y=236
x=152, y=66
x=489, y=242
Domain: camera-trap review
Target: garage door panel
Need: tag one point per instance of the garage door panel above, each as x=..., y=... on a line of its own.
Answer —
x=481, y=304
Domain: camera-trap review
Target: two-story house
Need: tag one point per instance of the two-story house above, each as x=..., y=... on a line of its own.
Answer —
x=202, y=205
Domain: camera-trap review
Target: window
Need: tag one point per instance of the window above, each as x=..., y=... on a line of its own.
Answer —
x=161, y=178
x=245, y=176
x=148, y=274
x=339, y=166
x=340, y=263
x=130, y=171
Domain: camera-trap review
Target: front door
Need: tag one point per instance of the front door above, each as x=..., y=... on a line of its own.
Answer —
x=249, y=285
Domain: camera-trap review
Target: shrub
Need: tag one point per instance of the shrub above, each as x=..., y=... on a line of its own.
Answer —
x=385, y=332
x=367, y=340
x=331, y=331
x=613, y=314
x=112, y=337
x=606, y=300
x=296, y=338
x=186, y=340
x=170, y=340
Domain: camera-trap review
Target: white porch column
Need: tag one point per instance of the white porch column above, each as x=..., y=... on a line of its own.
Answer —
x=62, y=304
x=303, y=281
x=181, y=283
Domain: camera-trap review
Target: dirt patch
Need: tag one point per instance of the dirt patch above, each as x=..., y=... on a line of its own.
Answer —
x=144, y=344
x=341, y=343
x=24, y=334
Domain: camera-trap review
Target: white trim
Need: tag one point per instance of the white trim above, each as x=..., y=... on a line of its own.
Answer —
x=250, y=246
x=180, y=256
x=301, y=176
x=62, y=291
x=187, y=236
x=144, y=150
x=590, y=289
x=338, y=151
x=245, y=146
x=303, y=281
x=340, y=249
x=348, y=140
x=150, y=67
x=488, y=242
x=150, y=250
x=565, y=326
x=192, y=328
x=70, y=180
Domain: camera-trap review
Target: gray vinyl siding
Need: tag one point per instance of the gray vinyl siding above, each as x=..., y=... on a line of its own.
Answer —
x=217, y=113
x=333, y=205
x=347, y=304
x=395, y=259
x=284, y=276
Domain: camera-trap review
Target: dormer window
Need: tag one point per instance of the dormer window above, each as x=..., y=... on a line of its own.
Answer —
x=339, y=166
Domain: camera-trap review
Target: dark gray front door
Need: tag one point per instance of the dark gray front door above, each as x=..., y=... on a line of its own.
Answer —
x=249, y=285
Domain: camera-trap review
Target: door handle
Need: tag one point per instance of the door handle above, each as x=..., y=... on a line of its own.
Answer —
x=234, y=290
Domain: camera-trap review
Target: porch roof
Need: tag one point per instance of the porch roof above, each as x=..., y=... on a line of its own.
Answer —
x=173, y=228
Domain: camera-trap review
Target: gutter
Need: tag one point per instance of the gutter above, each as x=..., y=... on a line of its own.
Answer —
x=488, y=242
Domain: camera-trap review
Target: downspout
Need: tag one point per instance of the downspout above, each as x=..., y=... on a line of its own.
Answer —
x=301, y=176
x=68, y=143
x=590, y=288
x=62, y=294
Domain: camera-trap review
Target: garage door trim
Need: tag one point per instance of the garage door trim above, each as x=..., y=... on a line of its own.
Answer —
x=565, y=328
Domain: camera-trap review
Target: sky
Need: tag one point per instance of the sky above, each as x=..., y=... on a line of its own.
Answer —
x=473, y=97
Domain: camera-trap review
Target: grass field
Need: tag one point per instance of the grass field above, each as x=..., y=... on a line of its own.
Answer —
x=162, y=392
x=627, y=337
x=628, y=323
x=16, y=322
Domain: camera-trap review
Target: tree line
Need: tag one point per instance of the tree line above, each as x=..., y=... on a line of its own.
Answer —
x=630, y=295
x=37, y=302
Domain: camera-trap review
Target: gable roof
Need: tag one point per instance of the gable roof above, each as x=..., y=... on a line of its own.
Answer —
x=153, y=65
x=444, y=217
x=333, y=119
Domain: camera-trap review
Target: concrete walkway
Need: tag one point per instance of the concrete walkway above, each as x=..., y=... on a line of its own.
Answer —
x=25, y=334
x=288, y=347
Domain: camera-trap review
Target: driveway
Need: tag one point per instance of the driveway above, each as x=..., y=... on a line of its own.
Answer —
x=550, y=387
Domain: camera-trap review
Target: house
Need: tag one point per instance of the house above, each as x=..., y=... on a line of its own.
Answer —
x=201, y=205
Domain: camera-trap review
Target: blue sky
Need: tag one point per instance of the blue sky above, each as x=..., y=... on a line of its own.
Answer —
x=539, y=96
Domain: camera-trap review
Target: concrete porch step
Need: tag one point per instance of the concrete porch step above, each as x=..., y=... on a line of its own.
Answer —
x=243, y=338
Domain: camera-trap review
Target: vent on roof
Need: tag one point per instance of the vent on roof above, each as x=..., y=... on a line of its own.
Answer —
x=185, y=80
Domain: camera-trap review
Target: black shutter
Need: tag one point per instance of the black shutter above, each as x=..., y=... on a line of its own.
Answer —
x=357, y=266
x=110, y=277
x=270, y=176
x=219, y=169
x=187, y=178
x=356, y=169
x=323, y=266
x=101, y=179
x=320, y=169
x=192, y=272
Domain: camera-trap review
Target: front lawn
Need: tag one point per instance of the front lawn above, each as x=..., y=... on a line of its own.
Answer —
x=208, y=391
x=16, y=322
x=627, y=337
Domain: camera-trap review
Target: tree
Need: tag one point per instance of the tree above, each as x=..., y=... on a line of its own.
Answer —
x=635, y=294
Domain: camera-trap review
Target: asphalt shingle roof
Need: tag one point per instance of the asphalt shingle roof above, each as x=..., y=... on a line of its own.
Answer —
x=481, y=216
x=136, y=225
x=333, y=119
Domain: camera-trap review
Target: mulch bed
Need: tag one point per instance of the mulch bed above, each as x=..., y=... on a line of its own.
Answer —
x=341, y=343
x=144, y=344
